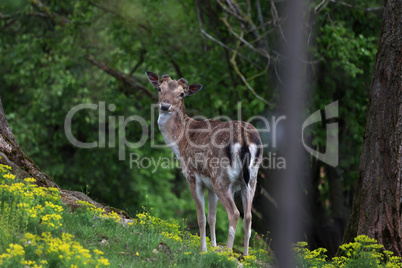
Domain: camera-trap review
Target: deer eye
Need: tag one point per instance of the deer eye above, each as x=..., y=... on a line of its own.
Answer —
x=181, y=95
x=159, y=89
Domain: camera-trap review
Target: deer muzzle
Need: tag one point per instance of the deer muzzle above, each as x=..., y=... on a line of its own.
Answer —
x=165, y=106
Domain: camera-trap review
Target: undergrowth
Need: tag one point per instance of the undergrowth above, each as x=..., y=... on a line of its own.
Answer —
x=38, y=230
x=364, y=252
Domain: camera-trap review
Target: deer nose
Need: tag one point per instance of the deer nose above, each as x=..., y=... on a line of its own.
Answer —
x=165, y=105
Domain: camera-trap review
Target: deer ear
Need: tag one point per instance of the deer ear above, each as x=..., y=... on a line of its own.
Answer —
x=192, y=89
x=153, y=78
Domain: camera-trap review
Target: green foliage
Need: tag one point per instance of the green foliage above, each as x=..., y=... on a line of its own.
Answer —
x=52, y=235
x=31, y=219
x=364, y=252
x=45, y=73
x=346, y=45
x=343, y=50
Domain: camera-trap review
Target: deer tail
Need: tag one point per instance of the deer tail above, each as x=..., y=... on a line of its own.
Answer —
x=245, y=157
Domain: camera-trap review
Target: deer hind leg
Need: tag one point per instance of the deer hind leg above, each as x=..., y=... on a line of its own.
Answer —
x=226, y=198
x=212, y=203
x=198, y=196
x=247, y=195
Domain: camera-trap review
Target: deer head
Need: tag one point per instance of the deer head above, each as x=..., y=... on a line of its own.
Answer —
x=171, y=92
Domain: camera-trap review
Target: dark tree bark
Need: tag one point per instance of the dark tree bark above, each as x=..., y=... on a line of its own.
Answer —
x=376, y=210
x=23, y=167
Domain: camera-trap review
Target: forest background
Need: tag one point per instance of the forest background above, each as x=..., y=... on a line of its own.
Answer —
x=56, y=55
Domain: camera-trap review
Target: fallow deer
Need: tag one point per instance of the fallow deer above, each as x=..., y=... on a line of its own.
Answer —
x=221, y=157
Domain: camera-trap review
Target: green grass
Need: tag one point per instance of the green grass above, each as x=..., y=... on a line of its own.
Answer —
x=149, y=242
x=37, y=230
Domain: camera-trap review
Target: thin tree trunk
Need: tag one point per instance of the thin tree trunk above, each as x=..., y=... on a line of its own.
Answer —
x=376, y=210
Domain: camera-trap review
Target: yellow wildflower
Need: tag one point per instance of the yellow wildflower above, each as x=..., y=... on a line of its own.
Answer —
x=103, y=261
x=9, y=176
x=98, y=252
x=29, y=180
x=16, y=250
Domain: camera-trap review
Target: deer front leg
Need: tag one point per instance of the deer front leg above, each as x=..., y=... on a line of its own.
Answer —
x=212, y=203
x=226, y=199
x=198, y=196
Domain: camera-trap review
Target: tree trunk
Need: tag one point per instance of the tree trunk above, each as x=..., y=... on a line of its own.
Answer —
x=376, y=209
x=23, y=167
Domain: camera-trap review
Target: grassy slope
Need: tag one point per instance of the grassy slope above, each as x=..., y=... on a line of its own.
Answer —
x=34, y=224
x=37, y=230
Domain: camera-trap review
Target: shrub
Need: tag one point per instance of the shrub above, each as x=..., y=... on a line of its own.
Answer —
x=31, y=220
x=363, y=252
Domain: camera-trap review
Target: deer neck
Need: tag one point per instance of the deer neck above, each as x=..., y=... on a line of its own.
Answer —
x=172, y=126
